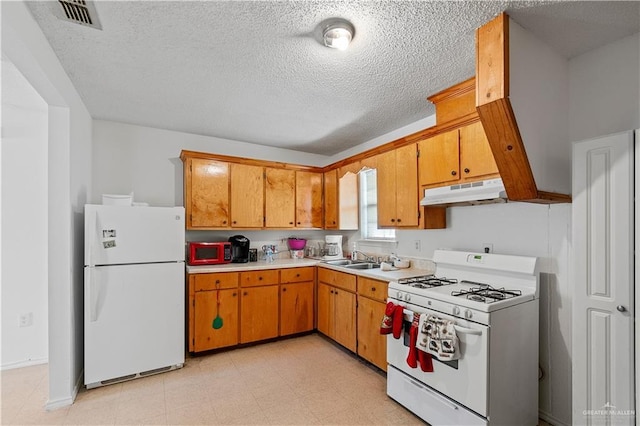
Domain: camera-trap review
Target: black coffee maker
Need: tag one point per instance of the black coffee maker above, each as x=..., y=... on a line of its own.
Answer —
x=239, y=249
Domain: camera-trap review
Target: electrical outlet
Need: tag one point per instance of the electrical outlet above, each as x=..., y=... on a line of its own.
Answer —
x=26, y=320
x=487, y=247
x=416, y=245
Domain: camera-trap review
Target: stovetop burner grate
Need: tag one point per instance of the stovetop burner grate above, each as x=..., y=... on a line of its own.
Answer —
x=485, y=293
x=426, y=281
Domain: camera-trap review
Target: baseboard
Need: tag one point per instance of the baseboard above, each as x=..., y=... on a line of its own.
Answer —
x=22, y=364
x=550, y=419
x=64, y=402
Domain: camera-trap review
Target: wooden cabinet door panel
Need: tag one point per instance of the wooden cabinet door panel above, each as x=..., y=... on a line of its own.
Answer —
x=439, y=158
x=208, y=187
x=259, y=313
x=205, y=336
x=406, y=179
x=345, y=318
x=280, y=201
x=324, y=309
x=309, y=212
x=247, y=196
x=215, y=281
x=386, y=189
x=372, y=346
x=476, y=158
x=338, y=279
x=259, y=278
x=331, y=199
x=296, y=308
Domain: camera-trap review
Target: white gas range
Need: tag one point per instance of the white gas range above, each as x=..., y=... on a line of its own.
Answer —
x=491, y=301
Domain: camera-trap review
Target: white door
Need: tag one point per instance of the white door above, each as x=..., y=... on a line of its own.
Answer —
x=121, y=234
x=603, y=306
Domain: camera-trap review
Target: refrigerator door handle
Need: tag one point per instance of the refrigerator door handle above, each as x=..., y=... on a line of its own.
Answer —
x=93, y=298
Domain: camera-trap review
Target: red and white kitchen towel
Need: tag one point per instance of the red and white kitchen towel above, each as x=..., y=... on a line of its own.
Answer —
x=438, y=337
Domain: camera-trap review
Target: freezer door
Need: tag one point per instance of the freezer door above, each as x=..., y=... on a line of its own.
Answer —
x=133, y=320
x=120, y=235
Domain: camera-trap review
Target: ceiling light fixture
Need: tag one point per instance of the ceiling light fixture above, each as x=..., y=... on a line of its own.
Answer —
x=338, y=33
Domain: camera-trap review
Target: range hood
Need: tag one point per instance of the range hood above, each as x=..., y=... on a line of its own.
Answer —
x=481, y=192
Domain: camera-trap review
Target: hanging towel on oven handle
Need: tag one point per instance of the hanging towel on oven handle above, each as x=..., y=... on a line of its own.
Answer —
x=438, y=337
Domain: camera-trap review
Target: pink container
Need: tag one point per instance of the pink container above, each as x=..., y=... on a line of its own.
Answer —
x=297, y=243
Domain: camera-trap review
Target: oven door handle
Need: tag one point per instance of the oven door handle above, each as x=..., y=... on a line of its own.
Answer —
x=464, y=330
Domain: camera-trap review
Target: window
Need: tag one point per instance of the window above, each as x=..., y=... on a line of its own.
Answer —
x=369, y=209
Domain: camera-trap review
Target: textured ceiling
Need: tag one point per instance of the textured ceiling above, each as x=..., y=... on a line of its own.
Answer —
x=254, y=71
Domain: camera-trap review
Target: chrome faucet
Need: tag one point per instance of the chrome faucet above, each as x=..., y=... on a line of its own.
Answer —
x=354, y=256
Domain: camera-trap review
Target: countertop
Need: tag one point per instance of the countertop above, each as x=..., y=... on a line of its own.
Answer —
x=376, y=273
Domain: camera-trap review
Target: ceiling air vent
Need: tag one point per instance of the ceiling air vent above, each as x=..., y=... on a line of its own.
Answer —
x=80, y=12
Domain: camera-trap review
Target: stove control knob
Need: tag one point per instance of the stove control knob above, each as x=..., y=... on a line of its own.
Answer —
x=468, y=313
x=399, y=295
x=407, y=297
x=456, y=310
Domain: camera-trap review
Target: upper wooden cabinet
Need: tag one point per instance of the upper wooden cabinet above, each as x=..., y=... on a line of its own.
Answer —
x=397, y=183
x=247, y=196
x=280, y=201
x=331, y=199
x=460, y=155
x=309, y=199
x=206, y=189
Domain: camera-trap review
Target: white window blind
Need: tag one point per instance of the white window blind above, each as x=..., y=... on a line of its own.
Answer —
x=369, y=209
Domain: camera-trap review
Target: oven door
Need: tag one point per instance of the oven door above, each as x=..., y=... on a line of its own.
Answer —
x=463, y=380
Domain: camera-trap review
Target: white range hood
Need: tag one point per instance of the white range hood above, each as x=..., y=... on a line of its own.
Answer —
x=481, y=192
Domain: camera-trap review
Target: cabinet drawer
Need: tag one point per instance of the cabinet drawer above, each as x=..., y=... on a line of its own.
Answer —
x=295, y=275
x=215, y=281
x=258, y=278
x=373, y=289
x=337, y=279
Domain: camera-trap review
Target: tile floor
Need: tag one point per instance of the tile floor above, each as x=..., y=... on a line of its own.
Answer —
x=300, y=381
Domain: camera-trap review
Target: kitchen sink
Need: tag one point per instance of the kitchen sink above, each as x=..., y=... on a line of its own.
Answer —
x=363, y=265
x=341, y=262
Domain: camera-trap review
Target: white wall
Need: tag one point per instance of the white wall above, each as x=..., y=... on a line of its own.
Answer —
x=605, y=90
x=69, y=179
x=24, y=221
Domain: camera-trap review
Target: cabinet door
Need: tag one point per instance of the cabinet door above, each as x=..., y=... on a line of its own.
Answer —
x=309, y=199
x=439, y=158
x=324, y=309
x=207, y=193
x=331, y=199
x=296, y=308
x=345, y=318
x=406, y=186
x=280, y=201
x=476, y=158
x=372, y=346
x=247, y=196
x=386, y=185
x=259, y=313
x=205, y=306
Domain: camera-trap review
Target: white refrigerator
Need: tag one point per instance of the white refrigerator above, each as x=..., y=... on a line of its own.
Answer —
x=134, y=292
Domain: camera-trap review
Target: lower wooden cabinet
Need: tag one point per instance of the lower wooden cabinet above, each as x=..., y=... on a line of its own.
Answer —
x=337, y=315
x=254, y=305
x=259, y=313
x=372, y=346
x=212, y=295
x=296, y=308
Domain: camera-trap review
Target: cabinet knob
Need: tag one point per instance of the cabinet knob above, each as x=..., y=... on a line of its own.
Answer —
x=245, y=293
x=259, y=278
x=297, y=275
x=290, y=223
x=373, y=289
x=284, y=289
x=217, y=281
x=393, y=220
x=224, y=222
x=399, y=220
x=453, y=173
x=234, y=222
x=234, y=294
x=466, y=170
